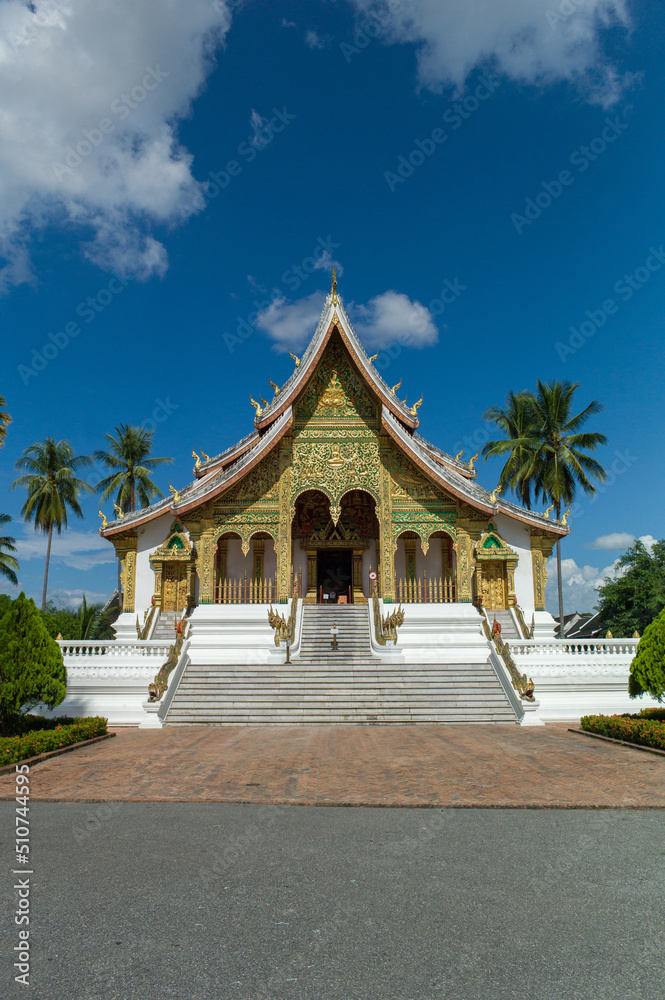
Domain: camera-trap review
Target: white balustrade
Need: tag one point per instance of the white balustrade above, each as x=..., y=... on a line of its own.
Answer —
x=113, y=648
x=555, y=648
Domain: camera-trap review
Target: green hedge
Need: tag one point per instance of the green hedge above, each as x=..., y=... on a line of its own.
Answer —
x=13, y=748
x=644, y=731
x=651, y=713
x=27, y=723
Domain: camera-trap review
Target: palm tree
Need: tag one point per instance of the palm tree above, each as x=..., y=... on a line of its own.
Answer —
x=94, y=622
x=550, y=456
x=5, y=421
x=8, y=563
x=52, y=489
x=128, y=458
x=515, y=422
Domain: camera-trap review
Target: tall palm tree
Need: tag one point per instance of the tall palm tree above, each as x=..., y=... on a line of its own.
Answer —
x=515, y=422
x=5, y=421
x=128, y=458
x=53, y=489
x=551, y=455
x=8, y=563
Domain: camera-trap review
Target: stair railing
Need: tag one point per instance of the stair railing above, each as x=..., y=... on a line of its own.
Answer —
x=523, y=686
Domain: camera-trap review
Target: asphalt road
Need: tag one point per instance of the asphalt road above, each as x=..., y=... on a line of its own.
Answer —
x=189, y=901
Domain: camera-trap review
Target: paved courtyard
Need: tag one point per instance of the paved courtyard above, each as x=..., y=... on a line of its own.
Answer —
x=461, y=765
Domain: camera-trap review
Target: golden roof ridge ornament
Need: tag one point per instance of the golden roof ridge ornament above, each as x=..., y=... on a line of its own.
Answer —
x=119, y=512
x=295, y=358
x=564, y=519
x=197, y=460
x=472, y=461
x=206, y=458
x=275, y=386
x=257, y=406
x=264, y=401
x=414, y=409
x=333, y=287
x=174, y=493
x=396, y=387
x=459, y=455
x=495, y=493
x=548, y=512
x=103, y=517
x=374, y=357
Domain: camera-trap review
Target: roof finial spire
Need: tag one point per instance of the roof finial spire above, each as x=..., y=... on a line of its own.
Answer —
x=333, y=287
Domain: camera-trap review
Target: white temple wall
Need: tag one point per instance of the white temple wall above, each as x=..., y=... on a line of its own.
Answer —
x=150, y=537
x=518, y=536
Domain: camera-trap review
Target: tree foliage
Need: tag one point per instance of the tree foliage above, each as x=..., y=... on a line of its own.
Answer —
x=8, y=562
x=5, y=420
x=647, y=671
x=128, y=458
x=632, y=600
x=547, y=449
x=52, y=487
x=32, y=671
x=86, y=622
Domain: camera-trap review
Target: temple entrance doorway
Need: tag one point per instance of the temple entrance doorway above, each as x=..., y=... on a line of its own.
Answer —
x=494, y=595
x=334, y=574
x=174, y=586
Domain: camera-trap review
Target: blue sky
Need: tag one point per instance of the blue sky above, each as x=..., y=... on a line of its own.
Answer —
x=174, y=173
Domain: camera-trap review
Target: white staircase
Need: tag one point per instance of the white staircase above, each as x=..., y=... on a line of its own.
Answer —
x=348, y=685
x=505, y=619
x=164, y=630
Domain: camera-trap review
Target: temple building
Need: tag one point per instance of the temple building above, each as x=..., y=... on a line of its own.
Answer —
x=334, y=496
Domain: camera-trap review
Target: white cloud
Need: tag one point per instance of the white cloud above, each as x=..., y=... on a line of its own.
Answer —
x=620, y=541
x=326, y=263
x=313, y=40
x=580, y=585
x=91, y=97
x=80, y=550
x=261, y=131
x=386, y=319
x=393, y=318
x=518, y=37
x=291, y=324
x=72, y=598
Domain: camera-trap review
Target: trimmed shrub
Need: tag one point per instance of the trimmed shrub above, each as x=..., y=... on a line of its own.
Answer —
x=647, y=671
x=31, y=666
x=14, y=748
x=631, y=728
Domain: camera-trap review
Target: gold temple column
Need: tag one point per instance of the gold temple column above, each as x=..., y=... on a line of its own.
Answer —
x=202, y=537
x=125, y=547
x=385, y=551
x=311, y=595
x=511, y=565
x=259, y=552
x=465, y=561
x=357, y=577
x=541, y=549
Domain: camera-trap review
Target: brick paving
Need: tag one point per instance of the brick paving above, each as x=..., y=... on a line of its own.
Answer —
x=398, y=765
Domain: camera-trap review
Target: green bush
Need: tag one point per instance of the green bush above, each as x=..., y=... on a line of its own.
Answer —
x=27, y=723
x=652, y=713
x=647, y=671
x=14, y=748
x=631, y=728
x=31, y=666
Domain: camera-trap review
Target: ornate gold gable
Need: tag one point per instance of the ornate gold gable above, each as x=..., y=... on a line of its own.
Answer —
x=175, y=548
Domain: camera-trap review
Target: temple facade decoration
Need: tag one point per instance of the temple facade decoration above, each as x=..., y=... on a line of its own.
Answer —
x=334, y=483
